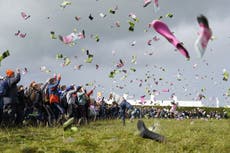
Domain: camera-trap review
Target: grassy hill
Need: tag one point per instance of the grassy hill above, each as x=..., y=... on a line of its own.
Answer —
x=211, y=136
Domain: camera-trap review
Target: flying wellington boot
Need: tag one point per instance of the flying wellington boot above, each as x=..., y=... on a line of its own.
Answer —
x=145, y=133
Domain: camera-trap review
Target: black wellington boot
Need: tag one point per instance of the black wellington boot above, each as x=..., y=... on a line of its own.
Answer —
x=145, y=133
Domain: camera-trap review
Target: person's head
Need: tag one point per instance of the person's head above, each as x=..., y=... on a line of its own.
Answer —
x=63, y=87
x=35, y=86
x=9, y=73
x=79, y=89
x=32, y=84
x=52, y=80
x=20, y=88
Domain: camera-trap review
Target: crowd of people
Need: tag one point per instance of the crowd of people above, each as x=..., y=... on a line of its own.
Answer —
x=51, y=103
x=196, y=113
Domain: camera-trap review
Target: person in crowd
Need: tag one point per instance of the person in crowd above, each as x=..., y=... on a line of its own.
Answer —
x=63, y=101
x=103, y=108
x=21, y=105
x=4, y=85
x=124, y=107
x=54, y=98
x=93, y=112
x=47, y=111
x=82, y=101
x=71, y=98
x=30, y=94
x=173, y=109
x=114, y=110
x=35, y=111
x=11, y=98
x=87, y=105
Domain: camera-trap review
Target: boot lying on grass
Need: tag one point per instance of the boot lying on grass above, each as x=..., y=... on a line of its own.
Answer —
x=68, y=123
x=145, y=133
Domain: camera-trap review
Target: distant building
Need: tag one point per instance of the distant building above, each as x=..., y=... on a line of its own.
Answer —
x=165, y=103
x=153, y=102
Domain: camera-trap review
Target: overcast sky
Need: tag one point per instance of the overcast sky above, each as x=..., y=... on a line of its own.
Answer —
x=38, y=49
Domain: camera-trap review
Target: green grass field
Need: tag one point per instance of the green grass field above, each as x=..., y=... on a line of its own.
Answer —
x=198, y=136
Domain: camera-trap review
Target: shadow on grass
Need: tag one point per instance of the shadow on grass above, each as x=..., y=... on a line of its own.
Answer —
x=30, y=150
x=67, y=151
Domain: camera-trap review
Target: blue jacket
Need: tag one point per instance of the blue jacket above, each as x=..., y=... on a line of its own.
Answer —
x=54, y=92
x=125, y=105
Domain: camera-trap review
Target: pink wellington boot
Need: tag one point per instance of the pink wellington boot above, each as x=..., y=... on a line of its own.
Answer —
x=163, y=29
x=146, y=3
x=205, y=35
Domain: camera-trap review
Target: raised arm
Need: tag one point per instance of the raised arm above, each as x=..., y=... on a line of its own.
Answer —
x=15, y=79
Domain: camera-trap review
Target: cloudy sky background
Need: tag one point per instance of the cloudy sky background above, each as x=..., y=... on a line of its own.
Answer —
x=38, y=49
